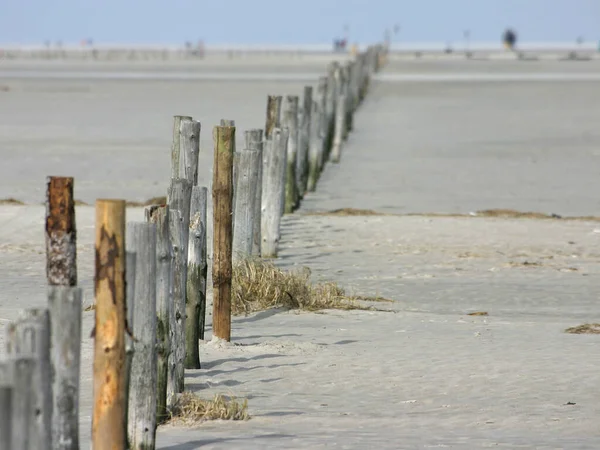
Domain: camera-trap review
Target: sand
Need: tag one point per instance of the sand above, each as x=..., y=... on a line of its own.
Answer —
x=423, y=373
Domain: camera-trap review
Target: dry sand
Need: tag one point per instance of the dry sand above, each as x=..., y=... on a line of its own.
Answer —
x=424, y=374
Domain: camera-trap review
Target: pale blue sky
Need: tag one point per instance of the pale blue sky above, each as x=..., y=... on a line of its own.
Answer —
x=293, y=22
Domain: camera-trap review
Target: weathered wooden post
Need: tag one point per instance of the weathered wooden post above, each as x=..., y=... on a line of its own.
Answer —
x=18, y=372
x=273, y=186
x=64, y=303
x=29, y=336
x=273, y=114
x=304, y=142
x=248, y=163
x=179, y=199
x=6, y=404
x=61, y=233
x=196, y=277
x=254, y=142
x=176, y=148
x=159, y=215
x=141, y=240
x=130, y=266
x=349, y=106
x=315, y=148
x=323, y=88
x=189, y=143
x=330, y=105
x=224, y=140
x=340, y=115
x=289, y=120
x=108, y=431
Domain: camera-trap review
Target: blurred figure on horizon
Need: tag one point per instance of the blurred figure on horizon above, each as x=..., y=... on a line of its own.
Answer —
x=510, y=39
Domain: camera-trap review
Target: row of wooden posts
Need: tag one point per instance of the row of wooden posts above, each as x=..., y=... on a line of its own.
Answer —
x=151, y=277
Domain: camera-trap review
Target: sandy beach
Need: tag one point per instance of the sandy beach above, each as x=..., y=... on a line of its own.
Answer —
x=420, y=373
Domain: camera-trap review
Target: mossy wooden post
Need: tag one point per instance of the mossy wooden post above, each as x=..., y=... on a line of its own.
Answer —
x=159, y=215
x=273, y=114
x=29, y=336
x=273, y=186
x=175, y=148
x=189, y=143
x=304, y=141
x=247, y=163
x=108, y=431
x=141, y=240
x=254, y=142
x=61, y=233
x=64, y=303
x=130, y=266
x=196, y=277
x=179, y=199
x=315, y=148
x=289, y=120
x=224, y=139
x=18, y=372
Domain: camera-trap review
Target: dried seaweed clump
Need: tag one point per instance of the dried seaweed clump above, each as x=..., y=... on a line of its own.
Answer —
x=191, y=409
x=586, y=328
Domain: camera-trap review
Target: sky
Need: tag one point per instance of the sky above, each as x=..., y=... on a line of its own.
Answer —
x=293, y=22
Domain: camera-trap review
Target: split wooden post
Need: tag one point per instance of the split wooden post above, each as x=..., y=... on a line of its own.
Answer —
x=273, y=114
x=289, y=120
x=29, y=336
x=64, y=303
x=315, y=148
x=61, y=234
x=159, y=215
x=248, y=163
x=254, y=142
x=141, y=240
x=196, y=276
x=304, y=141
x=130, y=266
x=224, y=140
x=179, y=198
x=176, y=148
x=108, y=431
x=189, y=143
x=6, y=405
x=18, y=372
x=273, y=186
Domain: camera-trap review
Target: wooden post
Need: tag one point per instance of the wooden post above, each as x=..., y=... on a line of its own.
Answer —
x=18, y=371
x=273, y=186
x=273, y=114
x=64, y=303
x=196, y=276
x=179, y=199
x=340, y=126
x=61, y=234
x=330, y=105
x=130, y=269
x=227, y=123
x=290, y=121
x=224, y=139
x=254, y=142
x=322, y=92
x=189, y=143
x=141, y=239
x=29, y=336
x=175, y=148
x=304, y=142
x=248, y=164
x=349, y=105
x=6, y=404
x=109, y=346
x=159, y=215
x=315, y=148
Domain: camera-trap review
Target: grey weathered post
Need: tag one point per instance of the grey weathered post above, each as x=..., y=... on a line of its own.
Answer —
x=179, y=202
x=322, y=90
x=273, y=186
x=304, y=141
x=315, y=148
x=340, y=115
x=64, y=303
x=330, y=105
x=289, y=120
x=175, y=148
x=254, y=142
x=18, y=371
x=6, y=404
x=189, y=143
x=349, y=104
x=273, y=114
x=248, y=164
x=130, y=266
x=159, y=215
x=196, y=276
x=141, y=239
x=29, y=336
